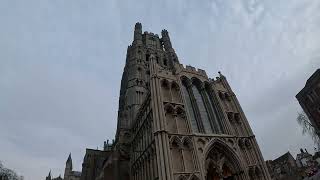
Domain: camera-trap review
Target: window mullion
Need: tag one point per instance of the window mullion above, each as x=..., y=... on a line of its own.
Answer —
x=208, y=109
x=195, y=109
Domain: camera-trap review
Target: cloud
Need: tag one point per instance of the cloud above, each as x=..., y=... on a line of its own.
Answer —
x=61, y=64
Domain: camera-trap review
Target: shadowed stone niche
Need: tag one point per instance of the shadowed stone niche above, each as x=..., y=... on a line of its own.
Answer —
x=222, y=163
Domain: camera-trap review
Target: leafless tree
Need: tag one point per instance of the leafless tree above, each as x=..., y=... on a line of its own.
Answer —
x=8, y=174
x=308, y=128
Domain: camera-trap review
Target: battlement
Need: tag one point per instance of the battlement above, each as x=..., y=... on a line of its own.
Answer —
x=151, y=34
x=164, y=32
x=193, y=70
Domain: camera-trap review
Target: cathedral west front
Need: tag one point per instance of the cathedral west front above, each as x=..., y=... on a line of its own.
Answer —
x=175, y=123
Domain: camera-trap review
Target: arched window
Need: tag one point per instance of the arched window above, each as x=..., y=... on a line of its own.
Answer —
x=187, y=155
x=175, y=92
x=166, y=90
x=181, y=121
x=203, y=114
x=214, y=113
x=165, y=62
x=139, y=55
x=202, y=110
x=171, y=122
x=176, y=154
x=140, y=73
x=190, y=109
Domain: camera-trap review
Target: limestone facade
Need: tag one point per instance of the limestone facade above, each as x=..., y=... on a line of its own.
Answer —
x=93, y=163
x=69, y=174
x=176, y=123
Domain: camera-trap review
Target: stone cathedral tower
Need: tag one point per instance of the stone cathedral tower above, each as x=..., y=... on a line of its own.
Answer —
x=176, y=123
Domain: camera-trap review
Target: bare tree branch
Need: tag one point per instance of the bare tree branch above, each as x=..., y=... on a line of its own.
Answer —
x=308, y=128
x=8, y=174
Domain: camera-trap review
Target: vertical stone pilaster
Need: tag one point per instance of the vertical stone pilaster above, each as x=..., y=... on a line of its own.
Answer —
x=161, y=136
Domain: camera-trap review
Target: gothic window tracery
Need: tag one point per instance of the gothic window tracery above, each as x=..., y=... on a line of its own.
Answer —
x=187, y=155
x=139, y=55
x=181, y=120
x=166, y=90
x=213, y=110
x=175, y=92
x=170, y=119
x=201, y=109
x=190, y=109
x=176, y=153
x=140, y=73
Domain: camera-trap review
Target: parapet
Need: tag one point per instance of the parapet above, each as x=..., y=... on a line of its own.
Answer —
x=193, y=70
x=164, y=32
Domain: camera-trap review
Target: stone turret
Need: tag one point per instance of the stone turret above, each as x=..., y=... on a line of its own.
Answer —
x=68, y=168
x=166, y=40
x=49, y=176
x=137, y=39
x=168, y=47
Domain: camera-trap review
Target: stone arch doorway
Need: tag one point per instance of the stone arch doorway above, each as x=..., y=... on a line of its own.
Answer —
x=222, y=163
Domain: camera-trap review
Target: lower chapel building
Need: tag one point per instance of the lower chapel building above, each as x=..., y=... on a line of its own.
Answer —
x=175, y=123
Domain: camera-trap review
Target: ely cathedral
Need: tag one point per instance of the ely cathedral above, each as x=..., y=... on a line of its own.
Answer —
x=175, y=123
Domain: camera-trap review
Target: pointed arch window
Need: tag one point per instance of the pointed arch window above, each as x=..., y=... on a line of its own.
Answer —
x=139, y=55
x=204, y=117
x=214, y=115
x=202, y=110
x=190, y=109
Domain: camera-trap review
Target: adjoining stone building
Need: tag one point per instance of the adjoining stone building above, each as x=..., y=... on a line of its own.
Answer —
x=304, y=159
x=309, y=99
x=69, y=173
x=176, y=123
x=93, y=161
x=50, y=178
x=283, y=168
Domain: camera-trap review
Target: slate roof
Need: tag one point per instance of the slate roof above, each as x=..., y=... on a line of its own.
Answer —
x=282, y=158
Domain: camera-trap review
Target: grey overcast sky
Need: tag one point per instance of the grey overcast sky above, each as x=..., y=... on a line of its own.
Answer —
x=61, y=62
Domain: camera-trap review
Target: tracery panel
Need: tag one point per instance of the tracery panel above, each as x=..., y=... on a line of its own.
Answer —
x=214, y=117
x=202, y=109
x=190, y=110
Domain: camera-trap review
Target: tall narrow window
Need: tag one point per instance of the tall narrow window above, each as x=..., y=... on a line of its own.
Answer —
x=215, y=120
x=175, y=92
x=139, y=55
x=140, y=73
x=190, y=110
x=165, y=63
x=202, y=110
x=166, y=90
x=177, y=157
x=147, y=57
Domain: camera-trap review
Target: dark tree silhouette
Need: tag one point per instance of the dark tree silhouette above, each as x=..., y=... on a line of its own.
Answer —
x=8, y=174
x=308, y=128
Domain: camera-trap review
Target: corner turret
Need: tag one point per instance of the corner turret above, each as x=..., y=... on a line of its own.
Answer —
x=168, y=47
x=49, y=176
x=166, y=40
x=68, y=168
x=137, y=39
